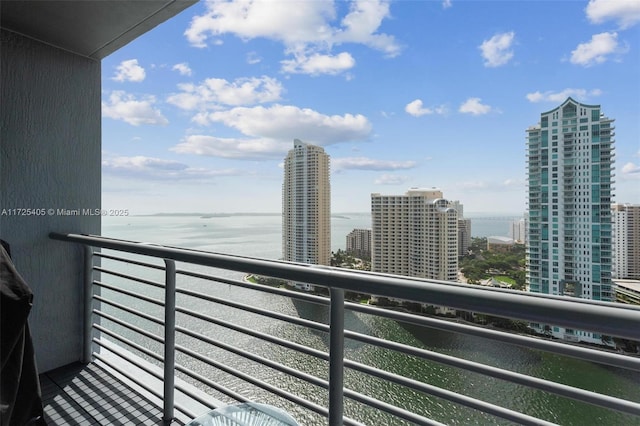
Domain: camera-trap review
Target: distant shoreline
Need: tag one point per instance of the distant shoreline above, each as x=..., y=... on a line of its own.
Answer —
x=341, y=215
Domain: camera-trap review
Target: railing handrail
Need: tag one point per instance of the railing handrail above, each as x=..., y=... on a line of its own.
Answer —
x=610, y=319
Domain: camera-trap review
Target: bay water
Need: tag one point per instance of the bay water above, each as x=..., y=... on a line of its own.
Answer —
x=259, y=235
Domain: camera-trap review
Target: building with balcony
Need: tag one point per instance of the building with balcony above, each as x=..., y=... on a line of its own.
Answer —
x=358, y=243
x=570, y=180
x=415, y=234
x=306, y=205
x=626, y=241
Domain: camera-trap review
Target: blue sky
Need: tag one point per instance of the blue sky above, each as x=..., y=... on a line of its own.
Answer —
x=199, y=113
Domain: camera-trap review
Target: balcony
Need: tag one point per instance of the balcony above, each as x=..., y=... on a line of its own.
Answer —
x=175, y=324
x=147, y=361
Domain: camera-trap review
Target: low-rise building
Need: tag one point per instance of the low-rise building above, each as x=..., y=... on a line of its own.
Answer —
x=627, y=291
x=500, y=244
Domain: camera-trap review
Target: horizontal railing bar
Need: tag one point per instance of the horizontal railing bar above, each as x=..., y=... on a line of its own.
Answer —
x=256, y=382
x=140, y=383
x=256, y=358
x=184, y=410
x=119, y=352
x=508, y=414
x=132, y=311
x=450, y=396
x=125, y=324
x=126, y=341
x=266, y=337
x=594, y=316
x=230, y=393
x=122, y=354
x=130, y=261
x=415, y=418
x=222, y=389
x=588, y=354
x=510, y=376
x=293, y=320
x=276, y=366
x=579, y=352
x=128, y=276
x=259, y=287
x=129, y=293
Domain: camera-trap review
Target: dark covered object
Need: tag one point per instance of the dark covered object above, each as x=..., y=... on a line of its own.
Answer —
x=20, y=397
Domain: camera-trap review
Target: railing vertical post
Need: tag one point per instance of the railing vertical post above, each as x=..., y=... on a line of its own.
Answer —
x=336, y=357
x=87, y=344
x=169, y=339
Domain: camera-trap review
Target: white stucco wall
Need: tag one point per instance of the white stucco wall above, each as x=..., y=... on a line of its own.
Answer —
x=50, y=153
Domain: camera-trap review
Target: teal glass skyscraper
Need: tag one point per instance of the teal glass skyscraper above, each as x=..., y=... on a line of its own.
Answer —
x=570, y=182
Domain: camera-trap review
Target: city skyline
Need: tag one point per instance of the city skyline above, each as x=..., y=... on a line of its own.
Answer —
x=202, y=109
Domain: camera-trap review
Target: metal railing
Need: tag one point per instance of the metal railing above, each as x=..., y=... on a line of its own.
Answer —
x=124, y=337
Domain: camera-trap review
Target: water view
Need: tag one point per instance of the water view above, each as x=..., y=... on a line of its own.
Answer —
x=259, y=235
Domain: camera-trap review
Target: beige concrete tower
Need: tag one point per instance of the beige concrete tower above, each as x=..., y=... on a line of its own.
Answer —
x=415, y=234
x=306, y=205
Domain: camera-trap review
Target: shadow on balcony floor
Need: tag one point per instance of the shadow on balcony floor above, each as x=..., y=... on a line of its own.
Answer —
x=79, y=394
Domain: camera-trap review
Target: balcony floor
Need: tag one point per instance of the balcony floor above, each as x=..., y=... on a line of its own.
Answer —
x=79, y=394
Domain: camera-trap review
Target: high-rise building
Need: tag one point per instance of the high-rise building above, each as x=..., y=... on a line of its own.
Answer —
x=570, y=164
x=464, y=229
x=415, y=235
x=626, y=241
x=359, y=243
x=518, y=231
x=306, y=205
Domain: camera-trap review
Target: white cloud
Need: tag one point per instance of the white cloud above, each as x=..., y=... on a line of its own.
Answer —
x=307, y=22
x=597, y=50
x=631, y=170
x=308, y=28
x=389, y=179
x=316, y=64
x=285, y=122
x=446, y=4
x=362, y=23
x=364, y=163
x=130, y=71
x=625, y=12
x=513, y=183
x=497, y=50
x=125, y=107
x=473, y=185
x=182, y=68
x=416, y=109
x=475, y=107
x=213, y=92
x=549, y=96
x=253, y=58
x=159, y=169
x=236, y=148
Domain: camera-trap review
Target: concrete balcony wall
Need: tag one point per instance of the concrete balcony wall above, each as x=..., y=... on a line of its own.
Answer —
x=50, y=154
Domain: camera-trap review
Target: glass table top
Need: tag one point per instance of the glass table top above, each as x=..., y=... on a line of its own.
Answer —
x=245, y=414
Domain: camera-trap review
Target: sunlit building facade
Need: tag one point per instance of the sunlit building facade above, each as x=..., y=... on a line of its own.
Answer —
x=570, y=181
x=518, y=231
x=359, y=243
x=415, y=234
x=626, y=241
x=306, y=205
